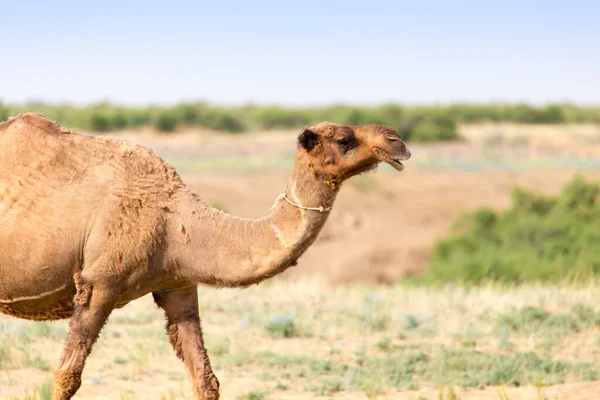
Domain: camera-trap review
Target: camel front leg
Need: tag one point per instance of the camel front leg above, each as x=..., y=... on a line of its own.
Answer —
x=92, y=308
x=185, y=335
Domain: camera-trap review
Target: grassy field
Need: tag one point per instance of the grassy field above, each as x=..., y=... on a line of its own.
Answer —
x=303, y=340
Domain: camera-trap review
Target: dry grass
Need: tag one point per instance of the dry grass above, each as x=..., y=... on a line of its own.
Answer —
x=304, y=340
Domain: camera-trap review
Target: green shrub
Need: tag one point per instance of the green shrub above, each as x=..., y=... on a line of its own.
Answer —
x=254, y=395
x=433, y=130
x=165, y=122
x=4, y=113
x=187, y=113
x=222, y=120
x=273, y=117
x=527, y=318
x=99, y=122
x=531, y=319
x=281, y=326
x=538, y=238
x=119, y=120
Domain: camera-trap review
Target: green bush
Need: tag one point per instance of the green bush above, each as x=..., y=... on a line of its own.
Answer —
x=433, y=130
x=98, y=122
x=187, y=113
x=281, y=326
x=119, y=120
x=222, y=120
x=274, y=117
x=538, y=238
x=4, y=113
x=165, y=122
x=536, y=320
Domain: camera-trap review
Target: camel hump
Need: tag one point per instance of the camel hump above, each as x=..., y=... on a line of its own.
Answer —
x=30, y=123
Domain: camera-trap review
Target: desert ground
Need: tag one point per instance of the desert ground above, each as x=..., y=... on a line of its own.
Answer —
x=339, y=325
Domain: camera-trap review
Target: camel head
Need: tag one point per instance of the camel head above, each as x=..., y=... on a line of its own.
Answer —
x=337, y=152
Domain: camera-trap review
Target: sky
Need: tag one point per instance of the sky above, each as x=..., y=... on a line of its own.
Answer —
x=300, y=53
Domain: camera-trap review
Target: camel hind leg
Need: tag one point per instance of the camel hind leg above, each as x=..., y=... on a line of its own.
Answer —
x=185, y=335
x=92, y=309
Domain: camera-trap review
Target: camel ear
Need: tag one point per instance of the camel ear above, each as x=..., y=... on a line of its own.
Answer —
x=308, y=139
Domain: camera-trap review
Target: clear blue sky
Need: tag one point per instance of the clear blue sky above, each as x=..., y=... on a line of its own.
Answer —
x=300, y=53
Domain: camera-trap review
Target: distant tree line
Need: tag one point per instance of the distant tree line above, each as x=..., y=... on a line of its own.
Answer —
x=415, y=123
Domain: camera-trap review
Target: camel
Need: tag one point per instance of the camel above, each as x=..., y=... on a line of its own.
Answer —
x=90, y=223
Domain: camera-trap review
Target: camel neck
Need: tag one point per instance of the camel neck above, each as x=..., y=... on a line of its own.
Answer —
x=213, y=247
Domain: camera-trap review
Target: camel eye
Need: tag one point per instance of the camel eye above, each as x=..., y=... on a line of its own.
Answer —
x=344, y=144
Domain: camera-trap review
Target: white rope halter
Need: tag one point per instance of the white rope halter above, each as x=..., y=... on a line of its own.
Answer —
x=319, y=209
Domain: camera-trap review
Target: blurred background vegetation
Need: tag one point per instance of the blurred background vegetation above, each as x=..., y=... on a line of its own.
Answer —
x=414, y=123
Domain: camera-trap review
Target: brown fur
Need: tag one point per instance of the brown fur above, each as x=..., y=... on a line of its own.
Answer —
x=88, y=224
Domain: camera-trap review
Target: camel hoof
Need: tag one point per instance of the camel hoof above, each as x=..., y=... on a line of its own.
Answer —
x=65, y=385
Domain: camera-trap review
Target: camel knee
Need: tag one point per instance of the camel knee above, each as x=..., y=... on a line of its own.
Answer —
x=66, y=383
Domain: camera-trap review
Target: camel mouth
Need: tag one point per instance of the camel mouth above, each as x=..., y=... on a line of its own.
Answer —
x=383, y=156
x=398, y=166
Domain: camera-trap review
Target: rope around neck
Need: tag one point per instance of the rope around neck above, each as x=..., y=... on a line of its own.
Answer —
x=319, y=209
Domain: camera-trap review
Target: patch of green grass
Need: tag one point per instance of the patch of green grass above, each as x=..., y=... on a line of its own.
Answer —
x=465, y=367
x=327, y=386
x=254, y=395
x=374, y=317
x=527, y=319
x=531, y=319
x=372, y=387
x=281, y=326
x=448, y=394
x=384, y=344
x=120, y=360
x=469, y=368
